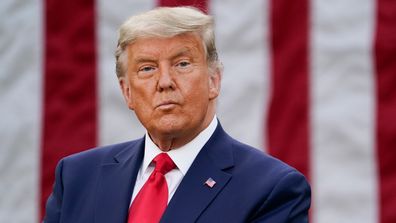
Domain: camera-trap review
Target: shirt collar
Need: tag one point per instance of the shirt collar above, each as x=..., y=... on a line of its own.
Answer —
x=184, y=156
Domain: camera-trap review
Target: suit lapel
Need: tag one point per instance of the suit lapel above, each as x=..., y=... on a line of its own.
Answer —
x=116, y=182
x=193, y=195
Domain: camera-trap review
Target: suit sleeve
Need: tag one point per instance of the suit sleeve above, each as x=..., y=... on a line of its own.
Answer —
x=288, y=202
x=54, y=202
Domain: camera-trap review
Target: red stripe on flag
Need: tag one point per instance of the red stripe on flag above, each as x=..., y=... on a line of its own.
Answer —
x=385, y=66
x=70, y=106
x=287, y=121
x=201, y=4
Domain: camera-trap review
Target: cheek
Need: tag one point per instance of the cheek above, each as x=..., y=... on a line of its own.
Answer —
x=196, y=92
x=140, y=99
x=138, y=95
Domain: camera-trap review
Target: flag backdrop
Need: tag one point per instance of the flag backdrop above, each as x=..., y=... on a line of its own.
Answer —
x=312, y=82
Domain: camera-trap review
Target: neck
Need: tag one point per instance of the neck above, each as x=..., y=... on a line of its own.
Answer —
x=174, y=141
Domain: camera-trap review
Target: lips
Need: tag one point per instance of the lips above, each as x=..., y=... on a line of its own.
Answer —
x=166, y=105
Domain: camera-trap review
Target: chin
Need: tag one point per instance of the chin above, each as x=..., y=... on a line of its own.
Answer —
x=170, y=125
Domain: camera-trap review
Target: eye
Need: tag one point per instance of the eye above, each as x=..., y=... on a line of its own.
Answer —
x=183, y=64
x=146, y=69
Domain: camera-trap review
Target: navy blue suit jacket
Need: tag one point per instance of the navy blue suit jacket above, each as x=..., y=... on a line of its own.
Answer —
x=97, y=185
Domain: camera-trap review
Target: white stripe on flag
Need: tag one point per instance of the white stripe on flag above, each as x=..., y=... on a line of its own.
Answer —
x=116, y=122
x=20, y=109
x=241, y=35
x=344, y=179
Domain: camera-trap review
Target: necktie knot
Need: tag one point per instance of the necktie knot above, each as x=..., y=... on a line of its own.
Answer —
x=152, y=199
x=163, y=163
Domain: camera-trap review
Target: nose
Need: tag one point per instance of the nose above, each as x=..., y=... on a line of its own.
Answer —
x=165, y=79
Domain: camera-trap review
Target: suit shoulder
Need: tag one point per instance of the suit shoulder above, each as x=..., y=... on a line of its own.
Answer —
x=252, y=159
x=100, y=153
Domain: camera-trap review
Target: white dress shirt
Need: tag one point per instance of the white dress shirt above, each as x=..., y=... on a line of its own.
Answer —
x=183, y=157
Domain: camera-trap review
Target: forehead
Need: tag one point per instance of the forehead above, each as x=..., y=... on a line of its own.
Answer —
x=185, y=44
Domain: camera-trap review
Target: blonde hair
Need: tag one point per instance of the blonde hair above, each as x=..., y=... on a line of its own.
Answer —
x=165, y=22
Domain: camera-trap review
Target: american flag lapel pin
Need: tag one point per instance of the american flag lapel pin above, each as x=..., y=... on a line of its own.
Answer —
x=210, y=182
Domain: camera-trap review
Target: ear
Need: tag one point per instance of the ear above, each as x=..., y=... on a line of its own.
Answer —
x=126, y=92
x=214, y=84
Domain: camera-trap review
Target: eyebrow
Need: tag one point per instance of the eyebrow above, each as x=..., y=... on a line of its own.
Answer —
x=185, y=51
x=143, y=59
x=182, y=52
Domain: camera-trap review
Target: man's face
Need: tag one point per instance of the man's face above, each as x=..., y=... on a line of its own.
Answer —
x=169, y=87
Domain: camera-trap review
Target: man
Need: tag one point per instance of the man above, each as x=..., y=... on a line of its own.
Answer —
x=186, y=168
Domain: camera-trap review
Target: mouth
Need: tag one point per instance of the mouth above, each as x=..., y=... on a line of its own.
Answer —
x=166, y=105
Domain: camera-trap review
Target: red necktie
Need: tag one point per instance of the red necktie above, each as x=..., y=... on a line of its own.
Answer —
x=151, y=201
